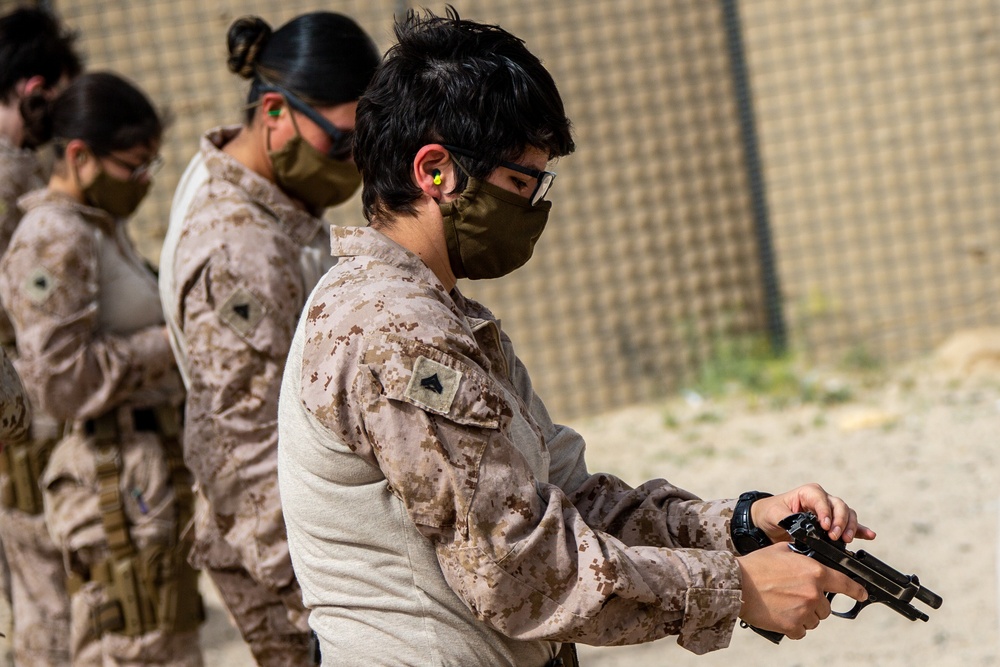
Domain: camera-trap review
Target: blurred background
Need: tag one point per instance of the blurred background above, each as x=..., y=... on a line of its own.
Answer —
x=751, y=177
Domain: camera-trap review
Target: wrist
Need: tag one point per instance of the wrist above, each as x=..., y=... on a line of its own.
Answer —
x=746, y=536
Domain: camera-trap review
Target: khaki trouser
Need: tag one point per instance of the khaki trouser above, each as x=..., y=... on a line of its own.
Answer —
x=262, y=618
x=177, y=649
x=36, y=591
x=73, y=511
x=38, y=594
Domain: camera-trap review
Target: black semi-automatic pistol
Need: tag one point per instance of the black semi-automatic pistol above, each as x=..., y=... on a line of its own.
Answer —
x=883, y=583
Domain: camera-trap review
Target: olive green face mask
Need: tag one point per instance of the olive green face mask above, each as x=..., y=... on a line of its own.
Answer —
x=117, y=197
x=306, y=174
x=491, y=231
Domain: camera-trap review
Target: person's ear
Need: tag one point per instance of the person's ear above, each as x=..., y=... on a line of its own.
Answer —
x=272, y=108
x=34, y=84
x=434, y=171
x=77, y=152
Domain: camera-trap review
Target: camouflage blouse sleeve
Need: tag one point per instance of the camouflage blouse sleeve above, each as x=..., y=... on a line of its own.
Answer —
x=654, y=514
x=51, y=289
x=15, y=410
x=522, y=554
x=238, y=321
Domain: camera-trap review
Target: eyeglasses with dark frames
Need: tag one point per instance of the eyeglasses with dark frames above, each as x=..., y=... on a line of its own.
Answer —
x=543, y=179
x=340, y=140
x=147, y=169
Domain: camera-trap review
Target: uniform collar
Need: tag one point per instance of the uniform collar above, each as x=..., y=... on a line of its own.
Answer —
x=299, y=224
x=368, y=242
x=46, y=197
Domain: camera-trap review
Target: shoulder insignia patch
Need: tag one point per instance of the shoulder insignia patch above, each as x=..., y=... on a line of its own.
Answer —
x=39, y=285
x=433, y=385
x=242, y=311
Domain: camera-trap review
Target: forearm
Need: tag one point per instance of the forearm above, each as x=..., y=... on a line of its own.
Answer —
x=231, y=447
x=654, y=514
x=81, y=374
x=564, y=581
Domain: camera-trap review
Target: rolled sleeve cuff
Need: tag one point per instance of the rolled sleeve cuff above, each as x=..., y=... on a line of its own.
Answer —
x=711, y=611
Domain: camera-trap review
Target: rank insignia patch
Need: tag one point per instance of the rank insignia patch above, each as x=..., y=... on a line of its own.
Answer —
x=242, y=311
x=433, y=385
x=39, y=285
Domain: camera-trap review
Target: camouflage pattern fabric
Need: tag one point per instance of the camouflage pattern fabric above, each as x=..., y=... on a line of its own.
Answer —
x=92, y=343
x=39, y=601
x=74, y=518
x=33, y=586
x=15, y=408
x=20, y=173
x=68, y=270
x=245, y=260
x=423, y=386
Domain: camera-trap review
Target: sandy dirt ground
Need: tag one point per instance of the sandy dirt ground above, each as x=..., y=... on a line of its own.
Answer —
x=916, y=457
x=915, y=453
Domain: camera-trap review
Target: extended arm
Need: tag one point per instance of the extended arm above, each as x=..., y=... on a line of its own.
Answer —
x=516, y=550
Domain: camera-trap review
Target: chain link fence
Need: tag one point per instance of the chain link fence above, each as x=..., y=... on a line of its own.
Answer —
x=857, y=139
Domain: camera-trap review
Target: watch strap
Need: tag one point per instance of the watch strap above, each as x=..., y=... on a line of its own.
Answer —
x=746, y=536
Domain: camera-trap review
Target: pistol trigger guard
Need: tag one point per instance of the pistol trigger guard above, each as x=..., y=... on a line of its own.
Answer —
x=853, y=612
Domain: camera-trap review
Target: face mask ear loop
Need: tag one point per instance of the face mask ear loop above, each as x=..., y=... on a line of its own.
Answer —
x=291, y=114
x=463, y=170
x=74, y=169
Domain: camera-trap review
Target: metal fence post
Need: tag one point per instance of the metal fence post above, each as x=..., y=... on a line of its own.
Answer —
x=755, y=178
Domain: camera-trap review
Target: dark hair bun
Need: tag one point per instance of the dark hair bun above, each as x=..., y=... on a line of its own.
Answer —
x=37, y=114
x=247, y=38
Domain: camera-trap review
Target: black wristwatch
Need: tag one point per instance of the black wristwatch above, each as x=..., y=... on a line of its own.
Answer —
x=746, y=536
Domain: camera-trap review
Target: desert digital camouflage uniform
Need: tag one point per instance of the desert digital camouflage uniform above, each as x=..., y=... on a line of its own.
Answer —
x=436, y=516
x=20, y=173
x=93, y=348
x=238, y=262
x=39, y=632
x=15, y=408
x=40, y=606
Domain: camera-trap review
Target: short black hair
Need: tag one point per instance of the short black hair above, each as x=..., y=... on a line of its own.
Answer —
x=33, y=43
x=325, y=58
x=454, y=81
x=103, y=109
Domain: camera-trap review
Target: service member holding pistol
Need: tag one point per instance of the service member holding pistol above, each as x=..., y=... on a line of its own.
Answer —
x=435, y=514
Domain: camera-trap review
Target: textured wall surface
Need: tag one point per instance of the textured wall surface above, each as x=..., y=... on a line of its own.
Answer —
x=880, y=133
x=878, y=124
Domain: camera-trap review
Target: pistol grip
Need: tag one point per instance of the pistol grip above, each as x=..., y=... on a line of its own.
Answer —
x=769, y=635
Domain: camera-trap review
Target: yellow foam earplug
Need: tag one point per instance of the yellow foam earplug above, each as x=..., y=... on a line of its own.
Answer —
x=437, y=177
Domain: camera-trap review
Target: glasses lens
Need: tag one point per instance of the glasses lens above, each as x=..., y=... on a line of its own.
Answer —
x=544, y=184
x=149, y=169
